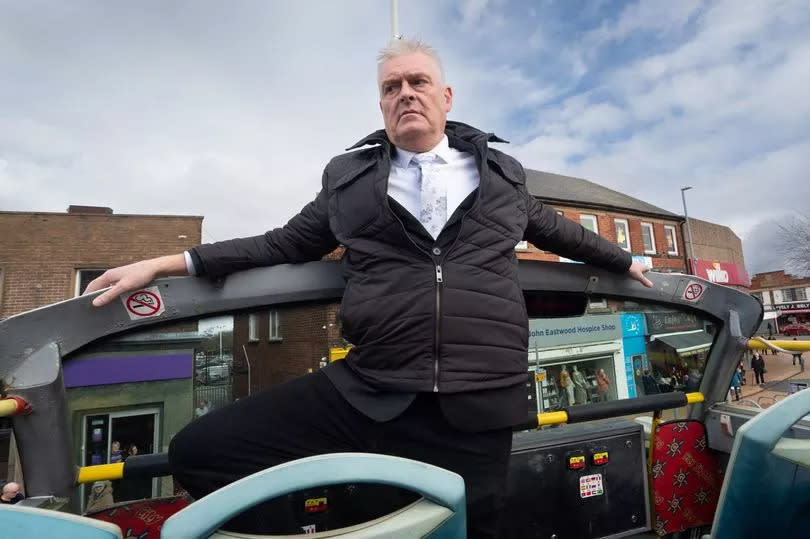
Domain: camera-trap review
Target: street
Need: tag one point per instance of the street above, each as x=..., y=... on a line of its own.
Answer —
x=780, y=371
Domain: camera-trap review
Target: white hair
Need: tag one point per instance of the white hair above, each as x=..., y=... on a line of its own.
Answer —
x=401, y=46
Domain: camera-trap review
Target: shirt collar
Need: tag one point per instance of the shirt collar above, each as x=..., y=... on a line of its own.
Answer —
x=402, y=158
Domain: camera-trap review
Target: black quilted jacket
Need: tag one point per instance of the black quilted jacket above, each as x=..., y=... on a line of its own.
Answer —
x=445, y=315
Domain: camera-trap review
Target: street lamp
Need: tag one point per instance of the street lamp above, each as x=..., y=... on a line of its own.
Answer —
x=688, y=231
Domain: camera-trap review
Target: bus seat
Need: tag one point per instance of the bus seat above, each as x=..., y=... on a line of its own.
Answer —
x=766, y=491
x=20, y=521
x=439, y=514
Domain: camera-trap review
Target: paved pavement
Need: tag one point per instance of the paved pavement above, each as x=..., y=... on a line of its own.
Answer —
x=780, y=373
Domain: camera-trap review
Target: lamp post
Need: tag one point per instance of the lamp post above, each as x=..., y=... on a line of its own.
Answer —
x=395, y=20
x=688, y=231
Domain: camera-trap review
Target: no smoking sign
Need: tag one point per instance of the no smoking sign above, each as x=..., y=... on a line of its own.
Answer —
x=693, y=291
x=144, y=303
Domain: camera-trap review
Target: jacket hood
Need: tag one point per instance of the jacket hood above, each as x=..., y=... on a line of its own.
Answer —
x=451, y=128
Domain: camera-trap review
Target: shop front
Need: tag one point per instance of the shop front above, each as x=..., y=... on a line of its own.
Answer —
x=793, y=313
x=129, y=397
x=575, y=361
x=679, y=344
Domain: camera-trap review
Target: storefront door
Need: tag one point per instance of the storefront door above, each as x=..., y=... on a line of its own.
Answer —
x=114, y=436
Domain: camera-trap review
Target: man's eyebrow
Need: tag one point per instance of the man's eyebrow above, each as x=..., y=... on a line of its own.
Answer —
x=393, y=77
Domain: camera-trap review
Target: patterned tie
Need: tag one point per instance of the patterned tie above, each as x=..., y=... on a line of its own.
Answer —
x=433, y=194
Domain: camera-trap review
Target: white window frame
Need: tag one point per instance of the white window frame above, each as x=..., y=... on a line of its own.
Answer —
x=78, y=279
x=792, y=295
x=522, y=246
x=674, y=239
x=253, y=327
x=593, y=218
x=624, y=222
x=274, y=324
x=651, y=228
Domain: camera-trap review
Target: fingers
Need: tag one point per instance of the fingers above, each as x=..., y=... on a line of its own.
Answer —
x=107, y=296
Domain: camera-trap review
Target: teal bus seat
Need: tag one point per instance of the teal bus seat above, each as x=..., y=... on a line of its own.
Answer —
x=20, y=521
x=440, y=513
x=766, y=491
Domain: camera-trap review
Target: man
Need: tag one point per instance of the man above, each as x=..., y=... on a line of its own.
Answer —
x=11, y=493
x=429, y=217
x=758, y=366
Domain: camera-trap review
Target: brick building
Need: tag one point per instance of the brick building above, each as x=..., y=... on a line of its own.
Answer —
x=783, y=294
x=49, y=257
x=648, y=232
x=718, y=254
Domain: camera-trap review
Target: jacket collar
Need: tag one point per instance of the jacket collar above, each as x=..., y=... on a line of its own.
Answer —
x=451, y=129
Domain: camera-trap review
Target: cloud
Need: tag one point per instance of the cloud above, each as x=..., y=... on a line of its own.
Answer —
x=231, y=111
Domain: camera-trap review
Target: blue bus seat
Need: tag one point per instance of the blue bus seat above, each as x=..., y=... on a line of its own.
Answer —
x=20, y=521
x=440, y=513
x=766, y=491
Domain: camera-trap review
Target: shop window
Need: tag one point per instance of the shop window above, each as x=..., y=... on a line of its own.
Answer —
x=83, y=278
x=275, y=325
x=589, y=222
x=625, y=350
x=622, y=233
x=648, y=237
x=672, y=240
x=253, y=327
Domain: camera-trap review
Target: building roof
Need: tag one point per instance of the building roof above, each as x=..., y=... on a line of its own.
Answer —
x=559, y=189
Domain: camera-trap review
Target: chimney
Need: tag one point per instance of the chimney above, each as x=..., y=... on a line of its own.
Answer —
x=96, y=210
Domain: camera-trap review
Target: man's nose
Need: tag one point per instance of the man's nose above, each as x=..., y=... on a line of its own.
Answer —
x=406, y=93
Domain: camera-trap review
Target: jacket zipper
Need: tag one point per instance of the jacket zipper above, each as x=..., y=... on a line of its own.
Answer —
x=439, y=281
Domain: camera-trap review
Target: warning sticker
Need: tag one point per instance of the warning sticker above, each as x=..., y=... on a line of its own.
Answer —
x=693, y=291
x=144, y=303
x=590, y=486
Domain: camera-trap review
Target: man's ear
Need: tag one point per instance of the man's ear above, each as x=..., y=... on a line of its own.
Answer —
x=448, y=98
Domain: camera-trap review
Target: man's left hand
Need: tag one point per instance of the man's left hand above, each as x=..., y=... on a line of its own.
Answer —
x=637, y=271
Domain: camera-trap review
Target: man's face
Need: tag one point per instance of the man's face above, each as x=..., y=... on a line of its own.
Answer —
x=413, y=101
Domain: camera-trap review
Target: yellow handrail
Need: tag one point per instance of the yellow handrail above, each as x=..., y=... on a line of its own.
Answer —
x=787, y=346
x=100, y=472
x=13, y=406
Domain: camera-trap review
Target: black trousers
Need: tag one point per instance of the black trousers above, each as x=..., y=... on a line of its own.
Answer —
x=308, y=416
x=759, y=376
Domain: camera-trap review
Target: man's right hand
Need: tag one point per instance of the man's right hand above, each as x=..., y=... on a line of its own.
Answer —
x=129, y=278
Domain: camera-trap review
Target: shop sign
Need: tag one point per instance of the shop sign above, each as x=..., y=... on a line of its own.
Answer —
x=545, y=332
x=632, y=324
x=722, y=272
x=793, y=307
x=671, y=322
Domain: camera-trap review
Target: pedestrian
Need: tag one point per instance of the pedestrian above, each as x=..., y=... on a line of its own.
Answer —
x=758, y=366
x=116, y=455
x=11, y=493
x=797, y=356
x=735, y=384
x=419, y=203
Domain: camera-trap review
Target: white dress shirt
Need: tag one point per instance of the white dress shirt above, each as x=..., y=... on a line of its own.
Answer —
x=458, y=168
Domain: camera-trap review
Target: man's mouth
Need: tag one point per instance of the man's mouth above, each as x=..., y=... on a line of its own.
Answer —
x=409, y=112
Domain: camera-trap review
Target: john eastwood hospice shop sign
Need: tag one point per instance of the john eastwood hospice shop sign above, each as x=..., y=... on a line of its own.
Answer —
x=546, y=332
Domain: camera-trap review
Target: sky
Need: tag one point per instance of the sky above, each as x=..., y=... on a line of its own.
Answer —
x=230, y=110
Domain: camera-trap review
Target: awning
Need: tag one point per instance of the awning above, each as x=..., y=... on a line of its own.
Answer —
x=687, y=343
